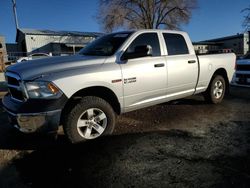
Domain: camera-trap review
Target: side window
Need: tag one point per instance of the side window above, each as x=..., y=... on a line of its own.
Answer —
x=176, y=44
x=146, y=39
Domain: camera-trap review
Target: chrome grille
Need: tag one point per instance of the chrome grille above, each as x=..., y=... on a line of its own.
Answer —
x=14, y=86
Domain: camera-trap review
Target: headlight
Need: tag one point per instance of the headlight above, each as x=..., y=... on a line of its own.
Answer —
x=42, y=89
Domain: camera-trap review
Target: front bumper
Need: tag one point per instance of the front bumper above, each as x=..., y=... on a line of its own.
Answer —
x=241, y=78
x=36, y=122
x=34, y=115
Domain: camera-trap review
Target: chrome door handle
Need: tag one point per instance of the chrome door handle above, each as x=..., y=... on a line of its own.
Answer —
x=191, y=61
x=159, y=65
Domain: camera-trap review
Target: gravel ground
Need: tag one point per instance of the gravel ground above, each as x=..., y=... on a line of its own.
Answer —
x=184, y=143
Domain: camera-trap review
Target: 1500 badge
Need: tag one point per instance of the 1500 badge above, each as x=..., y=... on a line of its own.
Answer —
x=129, y=80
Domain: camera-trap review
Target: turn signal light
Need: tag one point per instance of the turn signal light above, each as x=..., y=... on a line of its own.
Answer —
x=53, y=88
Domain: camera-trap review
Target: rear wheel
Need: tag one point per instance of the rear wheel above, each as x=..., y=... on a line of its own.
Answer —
x=91, y=118
x=216, y=90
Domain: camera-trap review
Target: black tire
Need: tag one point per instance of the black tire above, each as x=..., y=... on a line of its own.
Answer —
x=81, y=112
x=216, y=90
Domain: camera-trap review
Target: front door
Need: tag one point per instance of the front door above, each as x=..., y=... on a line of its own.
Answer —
x=145, y=78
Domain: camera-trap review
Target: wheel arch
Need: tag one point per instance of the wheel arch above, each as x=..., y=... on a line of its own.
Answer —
x=97, y=91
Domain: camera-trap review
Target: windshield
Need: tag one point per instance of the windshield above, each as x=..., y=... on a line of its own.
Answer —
x=106, y=45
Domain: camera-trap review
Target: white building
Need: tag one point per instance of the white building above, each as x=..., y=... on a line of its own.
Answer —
x=55, y=42
x=240, y=44
x=206, y=47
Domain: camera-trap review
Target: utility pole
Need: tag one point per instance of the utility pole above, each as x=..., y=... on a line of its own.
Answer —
x=15, y=15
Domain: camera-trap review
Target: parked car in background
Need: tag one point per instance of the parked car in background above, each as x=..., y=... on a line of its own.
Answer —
x=33, y=56
x=242, y=72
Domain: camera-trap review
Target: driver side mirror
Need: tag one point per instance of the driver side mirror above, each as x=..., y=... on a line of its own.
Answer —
x=139, y=51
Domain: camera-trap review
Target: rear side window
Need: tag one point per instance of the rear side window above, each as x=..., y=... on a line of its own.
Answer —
x=176, y=44
x=146, y=39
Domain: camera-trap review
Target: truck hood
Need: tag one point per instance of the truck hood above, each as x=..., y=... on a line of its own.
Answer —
x=33, y=69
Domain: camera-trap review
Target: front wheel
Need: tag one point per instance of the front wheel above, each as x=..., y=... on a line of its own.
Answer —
x=91, y=118
x=216, y=90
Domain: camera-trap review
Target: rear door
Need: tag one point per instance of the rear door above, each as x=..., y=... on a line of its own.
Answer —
x=182, y=66
x=144, y=78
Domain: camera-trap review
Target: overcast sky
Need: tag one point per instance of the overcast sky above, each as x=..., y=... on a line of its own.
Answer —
x=212, y=18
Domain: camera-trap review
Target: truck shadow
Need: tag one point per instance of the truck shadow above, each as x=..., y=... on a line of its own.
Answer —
x=155, y=159
x=197, y=100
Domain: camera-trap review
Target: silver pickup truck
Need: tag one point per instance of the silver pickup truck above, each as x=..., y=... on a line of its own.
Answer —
x=116, y=73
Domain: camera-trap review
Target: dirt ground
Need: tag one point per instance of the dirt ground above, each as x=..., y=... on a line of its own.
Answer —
x=185, y=143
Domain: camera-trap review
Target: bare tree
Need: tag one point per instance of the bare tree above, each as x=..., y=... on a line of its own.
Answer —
x=246, y=22
x=147, y=14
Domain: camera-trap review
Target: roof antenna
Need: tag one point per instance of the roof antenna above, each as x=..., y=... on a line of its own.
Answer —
x=15, y=14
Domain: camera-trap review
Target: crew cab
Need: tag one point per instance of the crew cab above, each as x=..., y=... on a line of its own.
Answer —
x=115, y=74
